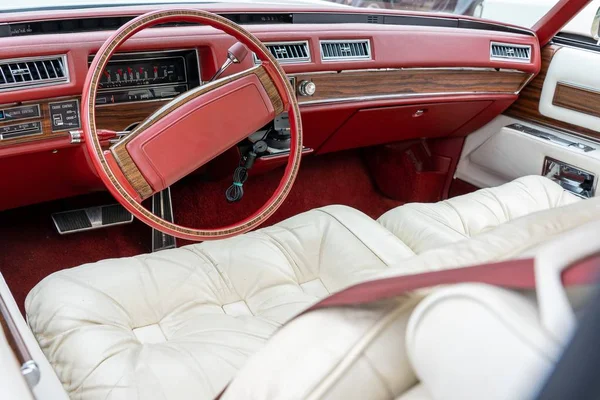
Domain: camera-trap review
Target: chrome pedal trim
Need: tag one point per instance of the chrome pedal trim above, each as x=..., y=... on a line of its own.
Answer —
x=163, y=208
x=86, y=219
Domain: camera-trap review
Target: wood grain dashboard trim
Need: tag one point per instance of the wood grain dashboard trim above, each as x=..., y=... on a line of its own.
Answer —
x=527, y=106
x=576, y=98
x=114, y=117
x=343, y=86
x=332, y=87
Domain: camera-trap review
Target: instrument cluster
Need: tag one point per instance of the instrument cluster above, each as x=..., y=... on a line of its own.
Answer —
x=148, y=76
x=127, y=73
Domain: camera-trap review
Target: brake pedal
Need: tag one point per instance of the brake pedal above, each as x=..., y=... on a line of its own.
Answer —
x=86, y=219
x=163, y=208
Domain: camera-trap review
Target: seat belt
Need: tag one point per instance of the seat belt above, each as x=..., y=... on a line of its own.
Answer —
x=511, y=274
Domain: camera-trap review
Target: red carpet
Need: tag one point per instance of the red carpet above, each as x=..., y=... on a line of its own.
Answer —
x=30, y=248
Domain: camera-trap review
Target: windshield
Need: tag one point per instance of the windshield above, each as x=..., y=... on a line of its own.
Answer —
x=517, y=12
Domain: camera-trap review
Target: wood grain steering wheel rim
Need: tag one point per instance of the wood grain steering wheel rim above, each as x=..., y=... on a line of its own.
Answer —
x=120, y=180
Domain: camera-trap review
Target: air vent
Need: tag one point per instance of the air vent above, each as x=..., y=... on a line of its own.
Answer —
x=335, y=50
x=38, y=71
x=289, y=52
x=510, y=52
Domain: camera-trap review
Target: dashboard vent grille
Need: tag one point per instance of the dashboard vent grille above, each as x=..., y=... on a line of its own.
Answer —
x=510, y=52
x=333, y=50
x=375, y=19
x=289, y=52
x=39, y=71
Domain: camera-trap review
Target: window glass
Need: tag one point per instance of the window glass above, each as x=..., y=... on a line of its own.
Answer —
x=517, y=12
x=582, y=23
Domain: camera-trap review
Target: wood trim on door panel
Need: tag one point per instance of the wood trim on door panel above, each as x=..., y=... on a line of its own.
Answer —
x=527, y=106
x=333, y=87
x=575, y=98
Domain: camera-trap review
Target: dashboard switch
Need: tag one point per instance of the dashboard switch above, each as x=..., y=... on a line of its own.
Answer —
x=307, y=88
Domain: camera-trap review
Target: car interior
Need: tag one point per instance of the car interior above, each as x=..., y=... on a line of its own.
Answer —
x=295, y=200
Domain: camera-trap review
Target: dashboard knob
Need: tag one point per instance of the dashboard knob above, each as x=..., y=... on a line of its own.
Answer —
x=307, y=88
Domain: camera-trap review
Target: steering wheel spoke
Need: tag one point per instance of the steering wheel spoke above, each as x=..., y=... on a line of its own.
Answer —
x=191, y=129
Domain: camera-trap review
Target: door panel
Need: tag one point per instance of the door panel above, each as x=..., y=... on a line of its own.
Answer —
x=562, y=105
x=571, y=82
x=527, y=106
x=497, y=154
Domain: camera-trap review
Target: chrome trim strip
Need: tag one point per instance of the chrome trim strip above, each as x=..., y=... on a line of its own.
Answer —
x=349, y=58
x=397, y=96
x=142, y=87
x=525, y=83
x=347, y=71
x=565, y=131
x=41, y=83
x=581, y=87
x=29, y=368
x=407, y=95
x=166, y=100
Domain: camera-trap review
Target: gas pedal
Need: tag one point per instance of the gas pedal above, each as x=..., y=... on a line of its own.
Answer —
x=86, y=219
x=163, y=208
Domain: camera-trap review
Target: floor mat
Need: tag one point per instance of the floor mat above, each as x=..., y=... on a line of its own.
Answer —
x=30, y=248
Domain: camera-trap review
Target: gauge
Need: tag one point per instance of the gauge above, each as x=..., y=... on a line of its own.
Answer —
x=143, y=72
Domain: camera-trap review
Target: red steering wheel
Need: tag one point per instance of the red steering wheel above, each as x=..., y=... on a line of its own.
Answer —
x=193, y=128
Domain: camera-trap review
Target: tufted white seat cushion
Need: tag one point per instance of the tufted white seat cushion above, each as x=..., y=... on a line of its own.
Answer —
x=464, y=341
x=179, y=323
x=424, y=226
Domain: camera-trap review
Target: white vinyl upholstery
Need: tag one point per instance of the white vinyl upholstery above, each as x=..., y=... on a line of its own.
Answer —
x=180, y=323
x=424, y=226
x=574, y=68
x=468, y=341
x=475, y=341
x=335, y=354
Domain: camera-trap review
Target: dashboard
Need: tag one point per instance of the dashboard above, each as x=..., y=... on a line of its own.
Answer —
x=361, y=78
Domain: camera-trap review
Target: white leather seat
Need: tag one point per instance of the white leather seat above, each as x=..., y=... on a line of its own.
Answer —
x=469, y=341
x=424, y=226
x=179, y=323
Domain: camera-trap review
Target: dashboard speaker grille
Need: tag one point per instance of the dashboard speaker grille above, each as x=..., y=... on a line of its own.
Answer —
x=510, y=52
x=334, y=50
x=28, y=72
